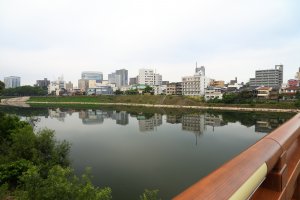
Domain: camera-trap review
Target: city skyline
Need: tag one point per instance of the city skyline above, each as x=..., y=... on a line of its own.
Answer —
x=231, y=39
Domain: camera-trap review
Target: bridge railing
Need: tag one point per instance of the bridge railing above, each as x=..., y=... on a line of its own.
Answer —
x=269, y=169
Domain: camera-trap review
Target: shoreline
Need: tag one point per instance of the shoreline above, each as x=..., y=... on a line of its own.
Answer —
x=174, y=106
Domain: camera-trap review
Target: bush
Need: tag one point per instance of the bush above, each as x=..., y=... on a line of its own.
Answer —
x=150, y=195
x=10, y=172
x=297, y=104
x=61, y=183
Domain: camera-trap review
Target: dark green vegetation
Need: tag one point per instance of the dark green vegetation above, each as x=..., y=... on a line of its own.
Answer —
x=2, y=86
x=24, y=91
x=230, y=100
x=36, y=166
x=249, y=99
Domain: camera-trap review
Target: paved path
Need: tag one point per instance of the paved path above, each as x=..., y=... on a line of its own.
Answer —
x=18, y=101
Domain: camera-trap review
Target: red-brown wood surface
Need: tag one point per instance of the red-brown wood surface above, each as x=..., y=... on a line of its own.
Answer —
x=226, y=180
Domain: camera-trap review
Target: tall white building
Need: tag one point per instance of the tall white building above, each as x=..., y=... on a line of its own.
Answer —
x=56, y=86
x=148, y=77
x=195, y=85
x=12, y=81
x=298, y=75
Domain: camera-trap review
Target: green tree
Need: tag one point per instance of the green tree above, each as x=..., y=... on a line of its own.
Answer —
x=230, y=98
x=148, y=89
x=2, y=86
x=35, y=166
x=61, y=183
x=118, y=92
x=297, y=103
x=24, y=91
x=150, y=195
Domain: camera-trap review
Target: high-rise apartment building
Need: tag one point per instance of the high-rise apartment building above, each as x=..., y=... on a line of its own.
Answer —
x=268, y=77
x=92, y=75
x=12, y=81
x=148, y=77
x=195, y=85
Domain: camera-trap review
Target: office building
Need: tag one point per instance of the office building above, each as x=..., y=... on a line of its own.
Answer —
x=92, y=75
x=195, y=85
x=149, y=77
x=69, y=86
x=83, y=85
x=120, y=78
x=43, y=83
x=133, y=81
x=12, y=81
x=268, y=77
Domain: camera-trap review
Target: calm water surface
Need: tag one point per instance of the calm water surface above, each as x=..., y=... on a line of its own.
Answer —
x=130, y=152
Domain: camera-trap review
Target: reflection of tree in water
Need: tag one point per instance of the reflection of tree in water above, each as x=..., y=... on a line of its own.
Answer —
x=250, y=118
x=24, y=112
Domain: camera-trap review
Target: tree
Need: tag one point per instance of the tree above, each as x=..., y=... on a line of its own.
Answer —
x=118, y=92
x=36, y=166
x=24, y=91
x=148, y=89
x=150, y=195
x=2, y=87
x=229, y=98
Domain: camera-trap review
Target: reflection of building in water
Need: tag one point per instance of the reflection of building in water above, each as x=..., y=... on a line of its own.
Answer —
x=98, y=116
x=122, y=118
x=193, y=122
x=214, y=120
x=149, y=124
x=57, y=113
x=266, y=125
x=173, y=119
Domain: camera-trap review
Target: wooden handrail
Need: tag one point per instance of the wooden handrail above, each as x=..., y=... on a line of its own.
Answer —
x=272, y=150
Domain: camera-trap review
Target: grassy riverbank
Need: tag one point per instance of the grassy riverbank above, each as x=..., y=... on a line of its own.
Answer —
x=155, y=100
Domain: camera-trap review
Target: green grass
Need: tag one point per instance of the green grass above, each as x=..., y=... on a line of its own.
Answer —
x=158, y=99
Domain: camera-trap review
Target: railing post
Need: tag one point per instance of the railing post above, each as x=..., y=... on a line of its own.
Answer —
x=297, y=190
x=277, y=178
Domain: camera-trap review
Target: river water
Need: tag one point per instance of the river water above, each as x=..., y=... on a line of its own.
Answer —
x=168, y=150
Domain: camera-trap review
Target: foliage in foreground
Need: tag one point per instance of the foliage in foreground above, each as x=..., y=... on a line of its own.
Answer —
x=36, y=166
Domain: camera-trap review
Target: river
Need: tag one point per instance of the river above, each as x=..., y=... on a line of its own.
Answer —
x=130, y=151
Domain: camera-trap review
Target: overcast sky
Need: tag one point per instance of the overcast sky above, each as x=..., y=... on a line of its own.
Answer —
x=40, y=38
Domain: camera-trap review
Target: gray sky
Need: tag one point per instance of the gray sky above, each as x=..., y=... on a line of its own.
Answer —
x=40, y=38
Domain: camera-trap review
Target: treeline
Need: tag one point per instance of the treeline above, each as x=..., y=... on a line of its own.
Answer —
x=24, y=91
x=246, y=97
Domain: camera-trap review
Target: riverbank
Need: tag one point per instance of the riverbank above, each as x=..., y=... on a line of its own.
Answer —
x=178, y=102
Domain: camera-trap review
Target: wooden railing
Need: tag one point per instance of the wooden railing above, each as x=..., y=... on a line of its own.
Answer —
x=267, y=170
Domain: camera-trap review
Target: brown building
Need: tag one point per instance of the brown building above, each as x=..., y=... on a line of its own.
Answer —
x=219, y=84
x=174, y=88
